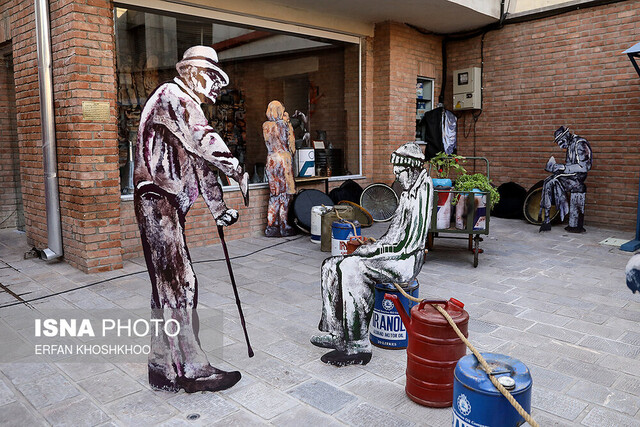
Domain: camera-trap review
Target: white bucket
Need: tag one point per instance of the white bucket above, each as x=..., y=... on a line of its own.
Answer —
x=443, y=218
x=316, y=222
x=461, y=211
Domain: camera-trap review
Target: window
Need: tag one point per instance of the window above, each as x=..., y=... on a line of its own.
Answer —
x=424, y=102
x=317, y=79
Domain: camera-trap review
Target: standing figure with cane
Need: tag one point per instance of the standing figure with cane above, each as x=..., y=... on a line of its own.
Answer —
x=175, y=155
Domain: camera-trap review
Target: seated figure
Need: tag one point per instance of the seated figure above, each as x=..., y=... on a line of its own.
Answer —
x=567, y=178
x=348, y=282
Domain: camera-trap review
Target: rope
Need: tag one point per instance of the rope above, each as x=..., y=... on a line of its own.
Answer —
x=478, y=356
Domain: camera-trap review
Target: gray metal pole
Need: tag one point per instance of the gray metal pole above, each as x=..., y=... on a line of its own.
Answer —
x=45, y=81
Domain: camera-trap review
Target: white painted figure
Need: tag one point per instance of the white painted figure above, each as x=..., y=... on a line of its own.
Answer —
x=175, y=156
x=348, y=282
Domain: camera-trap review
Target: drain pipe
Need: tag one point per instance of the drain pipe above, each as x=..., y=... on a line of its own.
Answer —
x=45, y=81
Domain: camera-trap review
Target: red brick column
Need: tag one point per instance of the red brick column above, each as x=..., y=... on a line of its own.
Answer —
x=82, y=44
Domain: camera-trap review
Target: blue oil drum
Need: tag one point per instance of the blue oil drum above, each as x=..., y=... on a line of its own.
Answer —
x=478, y=403
x=340, y=233
x=387, y=329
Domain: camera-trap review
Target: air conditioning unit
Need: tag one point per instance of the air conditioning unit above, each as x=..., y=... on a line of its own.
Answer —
x=467, y=89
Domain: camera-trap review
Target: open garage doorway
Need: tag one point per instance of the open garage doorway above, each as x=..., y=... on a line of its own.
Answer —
x=11, y=209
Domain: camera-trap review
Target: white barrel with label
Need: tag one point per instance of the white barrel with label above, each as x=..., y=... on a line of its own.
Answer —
x=316, y=222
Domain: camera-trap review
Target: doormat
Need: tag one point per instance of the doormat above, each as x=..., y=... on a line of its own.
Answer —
x=612, y=241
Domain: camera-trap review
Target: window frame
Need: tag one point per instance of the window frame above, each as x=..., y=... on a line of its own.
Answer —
x=210, y=13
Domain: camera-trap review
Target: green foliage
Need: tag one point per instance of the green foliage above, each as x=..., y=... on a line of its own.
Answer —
x=466, y=183
x=442, y=164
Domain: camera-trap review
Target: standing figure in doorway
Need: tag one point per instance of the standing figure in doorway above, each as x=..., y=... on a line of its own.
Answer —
x=348, y=282
x=280, y=142
x=568, y=177
x=175, y=156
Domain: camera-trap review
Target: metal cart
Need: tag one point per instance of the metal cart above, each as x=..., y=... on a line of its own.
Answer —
x=470, y=229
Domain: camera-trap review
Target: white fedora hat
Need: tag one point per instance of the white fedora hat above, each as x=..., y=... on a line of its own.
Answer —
x=203, y=57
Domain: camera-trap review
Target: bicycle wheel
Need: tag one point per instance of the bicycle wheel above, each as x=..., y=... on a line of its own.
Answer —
x=531, y=206
x=380, y=200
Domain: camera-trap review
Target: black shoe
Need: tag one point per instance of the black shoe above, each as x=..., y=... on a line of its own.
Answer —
x=575, y=229
x=159, y=381
x=272, y=232
x=341, y=358
x=216, y=382
x=546, y=226
x=324, y=341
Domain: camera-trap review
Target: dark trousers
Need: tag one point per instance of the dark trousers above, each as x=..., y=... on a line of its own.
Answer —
x=174, y=287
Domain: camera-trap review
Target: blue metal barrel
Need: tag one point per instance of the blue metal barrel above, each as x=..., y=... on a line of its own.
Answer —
x=476, y=401
x=387, y=329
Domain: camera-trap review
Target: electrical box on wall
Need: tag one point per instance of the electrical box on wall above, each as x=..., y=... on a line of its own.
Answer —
x=467, y=89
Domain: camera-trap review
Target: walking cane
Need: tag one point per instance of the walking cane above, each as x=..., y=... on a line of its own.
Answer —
x=235, y=288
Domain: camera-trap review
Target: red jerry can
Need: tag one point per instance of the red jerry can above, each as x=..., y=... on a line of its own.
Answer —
x=433, y=350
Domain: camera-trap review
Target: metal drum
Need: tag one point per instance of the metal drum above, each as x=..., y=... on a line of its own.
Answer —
x=433, y=350
x=316, y=222
x=340, y=233
x=387, y=329
x=476, y=400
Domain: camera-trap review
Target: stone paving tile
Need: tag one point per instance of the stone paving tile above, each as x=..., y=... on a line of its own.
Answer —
x=526, y=338
x=519, y=278
x=262, y=400
x=605, y=396
x=210, y=407
x=366, y=415
x=545, y=318
x=240, y=419
x=332, y=374
x=80, y=371
x=275, y=372
x=612, y=347
x=554, y=332
x=109, y=386
x=6, y=395
x=587, y=316
x=556, y=403
x=631, y=337
x=504, y=319
x=75, y=412
x=47, y=390
x=389, y=364
x=15, y=414
x=304, y=416
x=376, y=391
x=573, y=351
x=549, y=379
x=142, y=408
x=599, y=417
x=594, y=329
x=629, y=384
x=423, y=415
x=585, y=371
x=481, y=327
x=293, y=353
x=322, y=396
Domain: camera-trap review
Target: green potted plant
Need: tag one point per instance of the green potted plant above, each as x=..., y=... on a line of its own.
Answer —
x=442, y=164
x=478, y=181
x=466, y=184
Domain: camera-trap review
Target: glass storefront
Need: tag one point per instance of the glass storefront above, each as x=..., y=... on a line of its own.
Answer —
x=318, y=81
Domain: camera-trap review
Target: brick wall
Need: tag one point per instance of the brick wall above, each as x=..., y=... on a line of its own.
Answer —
x=563, y=70
x=83, y=70
x=401, y=54
x=11, y=212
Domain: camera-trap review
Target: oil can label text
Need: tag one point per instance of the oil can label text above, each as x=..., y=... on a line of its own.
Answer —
x=386, y=325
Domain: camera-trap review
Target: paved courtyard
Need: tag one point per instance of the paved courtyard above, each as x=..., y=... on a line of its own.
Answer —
x=556, y=301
